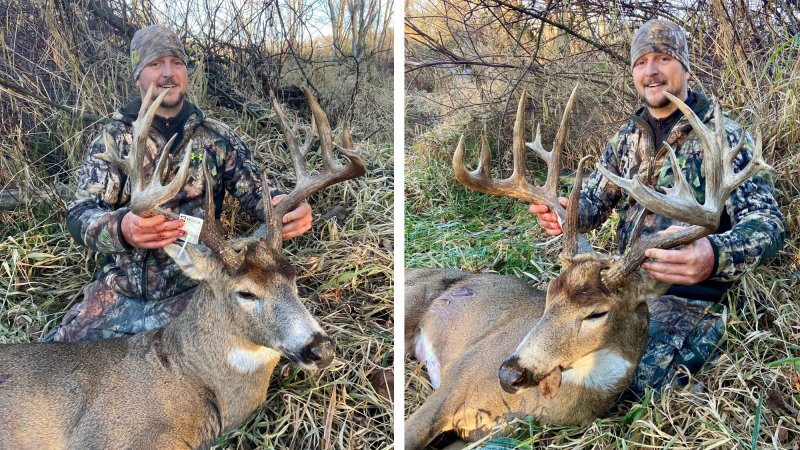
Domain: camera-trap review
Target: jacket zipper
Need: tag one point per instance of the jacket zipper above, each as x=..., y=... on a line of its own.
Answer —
x=144, y=274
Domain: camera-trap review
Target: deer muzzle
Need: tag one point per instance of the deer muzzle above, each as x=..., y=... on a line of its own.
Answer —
x=319, y=352
x=514, y=378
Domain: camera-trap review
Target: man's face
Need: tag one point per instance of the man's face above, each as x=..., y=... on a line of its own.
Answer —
x=656, y=73
x=166, y=73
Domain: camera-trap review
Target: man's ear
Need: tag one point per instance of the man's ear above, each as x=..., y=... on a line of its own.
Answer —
x=192, y=261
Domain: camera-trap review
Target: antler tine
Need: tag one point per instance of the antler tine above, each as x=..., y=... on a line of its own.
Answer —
x=323, y=130
x=111, y=155
x=147, y=111
x=554, y=168
x=211, y=233
x=678, y=202
x=309, y=139
x=571, y=235
x=478, y=179
x=332, y=172
x=273, y=221
x=290, y=138
x=347, y=138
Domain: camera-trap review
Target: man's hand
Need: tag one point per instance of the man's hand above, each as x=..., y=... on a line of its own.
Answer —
x=151, y=232
x=692, y=264
x=296, y=221
x=548, y=219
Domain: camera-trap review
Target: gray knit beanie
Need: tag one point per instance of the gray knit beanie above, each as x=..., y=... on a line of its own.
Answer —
x=660, y=36
x=151, y=43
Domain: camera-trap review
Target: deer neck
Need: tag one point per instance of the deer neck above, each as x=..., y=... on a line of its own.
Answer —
x=221, y=345
x=236, y=370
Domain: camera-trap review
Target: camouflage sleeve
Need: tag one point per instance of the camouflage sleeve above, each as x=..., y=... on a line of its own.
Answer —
x=93, y=219
x=598, y=194
x=758, y=229
x=241, y=177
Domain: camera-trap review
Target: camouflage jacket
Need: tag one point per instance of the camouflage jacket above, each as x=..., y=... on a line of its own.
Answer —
x=752, y=227
x=94, y=218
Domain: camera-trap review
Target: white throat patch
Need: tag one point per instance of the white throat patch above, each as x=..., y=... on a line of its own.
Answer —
x=423, y=351
x=599, y=370
x=248, y=361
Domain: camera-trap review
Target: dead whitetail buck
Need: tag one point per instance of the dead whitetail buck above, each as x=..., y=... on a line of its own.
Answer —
x=181, y=385
x=564, y=356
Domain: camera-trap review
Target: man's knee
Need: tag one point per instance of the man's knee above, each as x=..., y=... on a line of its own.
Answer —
x=672, y=345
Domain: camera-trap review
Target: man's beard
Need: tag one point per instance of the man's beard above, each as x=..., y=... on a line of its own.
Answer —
x=169, y=104
x=663, y=102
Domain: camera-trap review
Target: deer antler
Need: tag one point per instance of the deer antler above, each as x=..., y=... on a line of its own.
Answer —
x=332, y=171
x=678, y=202
x=211, y=234
x=145, y=199
x=516, y=185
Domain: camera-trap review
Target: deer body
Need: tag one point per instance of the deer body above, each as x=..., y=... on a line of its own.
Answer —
x=469, y=325
x=163, y=405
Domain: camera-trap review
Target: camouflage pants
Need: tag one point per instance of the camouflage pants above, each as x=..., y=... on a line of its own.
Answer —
x=682, y=333
x=105, y=313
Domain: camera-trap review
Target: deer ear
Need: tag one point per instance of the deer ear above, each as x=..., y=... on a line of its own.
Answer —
x=643, y=288
x=193, y=262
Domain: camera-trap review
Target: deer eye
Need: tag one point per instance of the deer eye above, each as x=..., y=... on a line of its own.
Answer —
x=249, y=296
x=596, y=315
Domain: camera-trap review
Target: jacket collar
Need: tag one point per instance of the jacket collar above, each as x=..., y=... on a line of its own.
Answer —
x=702, y=109
x=190, y=116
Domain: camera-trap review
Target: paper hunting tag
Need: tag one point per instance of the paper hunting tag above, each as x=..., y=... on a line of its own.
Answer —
x=192, y=226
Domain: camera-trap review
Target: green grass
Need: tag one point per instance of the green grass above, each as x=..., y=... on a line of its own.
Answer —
x=473, y=242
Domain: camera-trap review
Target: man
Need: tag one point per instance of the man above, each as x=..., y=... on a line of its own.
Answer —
x=686, y=323
x=142, y=288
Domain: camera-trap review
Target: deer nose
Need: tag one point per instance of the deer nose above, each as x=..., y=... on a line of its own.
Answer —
x=514, y=377
x=320, y=351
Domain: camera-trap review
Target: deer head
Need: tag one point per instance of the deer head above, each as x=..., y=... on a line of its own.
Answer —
x=249, y=278
x=599, y=302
